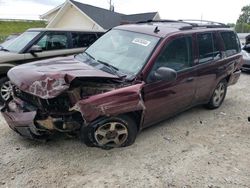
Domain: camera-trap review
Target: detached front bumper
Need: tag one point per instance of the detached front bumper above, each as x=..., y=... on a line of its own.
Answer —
x=22, y=122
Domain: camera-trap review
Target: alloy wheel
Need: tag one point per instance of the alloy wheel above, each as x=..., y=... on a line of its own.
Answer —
x=112, y=134
x=219, y=94
x=6, y=90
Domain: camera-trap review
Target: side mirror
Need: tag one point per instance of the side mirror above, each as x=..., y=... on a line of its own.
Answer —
x=247, y=48
x=35, y=49
x=164, y=73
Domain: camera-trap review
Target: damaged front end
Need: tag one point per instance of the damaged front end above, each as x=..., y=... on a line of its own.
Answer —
x=51, y=105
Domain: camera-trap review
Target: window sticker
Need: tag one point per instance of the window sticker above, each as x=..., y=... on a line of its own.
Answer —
x=142, y=42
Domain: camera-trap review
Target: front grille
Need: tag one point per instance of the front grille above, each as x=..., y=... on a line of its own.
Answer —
x=58, y=104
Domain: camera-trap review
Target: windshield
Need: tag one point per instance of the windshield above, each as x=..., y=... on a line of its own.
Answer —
x=126, y=51
x=20, y=42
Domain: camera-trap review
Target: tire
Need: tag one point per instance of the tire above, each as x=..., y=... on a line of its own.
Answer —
x=218, y=96
x=110, y=132
x=5, y=90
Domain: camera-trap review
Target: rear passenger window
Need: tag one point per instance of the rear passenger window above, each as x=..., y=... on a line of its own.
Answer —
x=80, y=40
x=206, y=51
x=177, y=55
x=209, y=47
x=216, y=45
x=231, y=42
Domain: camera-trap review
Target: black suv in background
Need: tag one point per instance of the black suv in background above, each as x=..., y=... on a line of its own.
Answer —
x=37, y=44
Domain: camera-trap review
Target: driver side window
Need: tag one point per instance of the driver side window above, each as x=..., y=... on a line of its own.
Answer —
x=177, y=55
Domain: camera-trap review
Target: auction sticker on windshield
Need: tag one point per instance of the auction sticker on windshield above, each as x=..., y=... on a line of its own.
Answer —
x=142, y=42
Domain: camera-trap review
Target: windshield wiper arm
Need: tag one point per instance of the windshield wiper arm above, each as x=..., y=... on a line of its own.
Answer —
x=114, y=69
x=90, y=55
x=108, y=65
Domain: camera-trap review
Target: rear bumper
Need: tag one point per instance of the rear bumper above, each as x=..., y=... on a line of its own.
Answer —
x=234, y=77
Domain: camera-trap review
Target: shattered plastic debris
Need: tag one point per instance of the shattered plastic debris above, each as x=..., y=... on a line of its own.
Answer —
x=223, y=113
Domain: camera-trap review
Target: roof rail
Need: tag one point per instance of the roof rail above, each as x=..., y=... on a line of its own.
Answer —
x=150, y=21
x=205, y=23
x=192, y=23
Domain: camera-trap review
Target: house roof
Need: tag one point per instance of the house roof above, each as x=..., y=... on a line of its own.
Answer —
x=139, y=17
x=108, y=19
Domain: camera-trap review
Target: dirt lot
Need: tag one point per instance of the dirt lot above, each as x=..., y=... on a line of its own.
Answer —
x=198, y=148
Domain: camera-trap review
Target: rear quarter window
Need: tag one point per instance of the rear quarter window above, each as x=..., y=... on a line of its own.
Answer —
x=80, y=40
x=231, y=43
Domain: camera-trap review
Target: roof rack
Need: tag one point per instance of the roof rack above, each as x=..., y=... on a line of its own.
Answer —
x=192, y=23
x=205, y=23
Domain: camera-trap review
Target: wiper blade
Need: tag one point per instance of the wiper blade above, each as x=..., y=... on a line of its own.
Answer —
x=112, y=68
x=108, y=65
x=89, y=55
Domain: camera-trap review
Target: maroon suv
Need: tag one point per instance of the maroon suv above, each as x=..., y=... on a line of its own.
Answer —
x=131, y=78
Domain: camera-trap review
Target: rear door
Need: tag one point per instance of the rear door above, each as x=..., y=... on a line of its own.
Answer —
x=218, y=54
x=208, y=65
x=163, y=99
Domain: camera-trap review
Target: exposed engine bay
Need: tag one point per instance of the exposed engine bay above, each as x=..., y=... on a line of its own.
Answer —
x=56, y=114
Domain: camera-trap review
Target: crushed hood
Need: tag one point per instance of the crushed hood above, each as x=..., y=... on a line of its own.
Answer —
x=49, y=78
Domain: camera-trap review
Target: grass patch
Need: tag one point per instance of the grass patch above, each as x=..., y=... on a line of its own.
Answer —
x=10, y=27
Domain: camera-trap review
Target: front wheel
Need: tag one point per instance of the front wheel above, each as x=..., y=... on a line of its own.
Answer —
x=5, y=90
x=113, y=132
x=218, y=95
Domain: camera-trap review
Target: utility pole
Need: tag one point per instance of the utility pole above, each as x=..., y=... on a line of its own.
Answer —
x=110, y=5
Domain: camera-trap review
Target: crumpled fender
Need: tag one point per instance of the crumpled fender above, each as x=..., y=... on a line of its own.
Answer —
x=119, y=101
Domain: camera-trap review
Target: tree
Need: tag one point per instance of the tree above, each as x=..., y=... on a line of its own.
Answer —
x=231, y=25
x=245, y=15
x=243, y=22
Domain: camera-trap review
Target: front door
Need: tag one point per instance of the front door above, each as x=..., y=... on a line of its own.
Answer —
x=164, y=99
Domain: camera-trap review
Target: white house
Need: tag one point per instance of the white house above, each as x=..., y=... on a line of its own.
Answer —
x=76, y=15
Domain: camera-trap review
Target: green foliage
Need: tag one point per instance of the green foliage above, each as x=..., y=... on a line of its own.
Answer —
x=242, y=28
x=245, y=15
x=231, y=25
x=10, y=27
x=243, y=23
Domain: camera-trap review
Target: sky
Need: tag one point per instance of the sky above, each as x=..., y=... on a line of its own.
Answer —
x=226, y=11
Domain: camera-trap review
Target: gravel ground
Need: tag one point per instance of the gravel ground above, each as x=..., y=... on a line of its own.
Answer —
x=198, y=148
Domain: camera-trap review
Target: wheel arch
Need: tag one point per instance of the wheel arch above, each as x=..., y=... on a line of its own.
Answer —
x=4, y=68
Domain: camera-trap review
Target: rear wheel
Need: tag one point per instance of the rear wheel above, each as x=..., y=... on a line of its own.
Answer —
x=5, y=90
x=111, y=132
x=218, y=95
